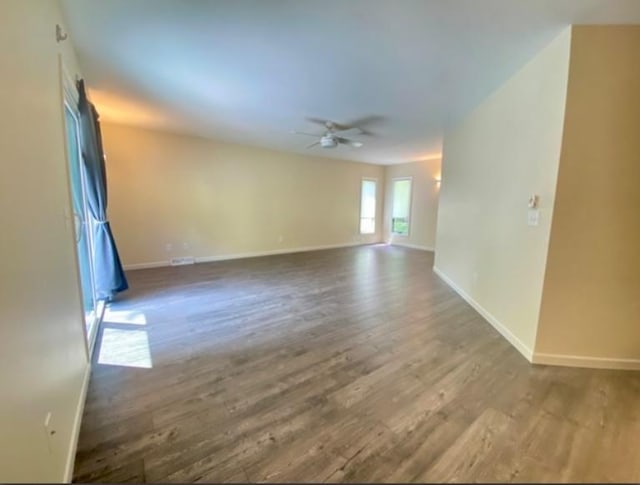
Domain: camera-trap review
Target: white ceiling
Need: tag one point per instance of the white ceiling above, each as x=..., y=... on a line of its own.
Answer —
x=251, y=70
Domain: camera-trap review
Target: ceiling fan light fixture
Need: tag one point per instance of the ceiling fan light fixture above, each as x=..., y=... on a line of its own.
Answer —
x=328, y=141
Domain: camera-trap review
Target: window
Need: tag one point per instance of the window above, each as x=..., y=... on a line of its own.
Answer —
x=83, y=222
x=368, y=207
x=401, y=206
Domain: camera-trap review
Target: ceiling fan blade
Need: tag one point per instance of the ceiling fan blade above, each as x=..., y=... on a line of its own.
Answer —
x=347, y=141
x=365, y=121
x=318, y=121
x=356, y=131
x=360, y=124
x=328, y=124
x=314, y=144
x=362, y=131
x=306, y=134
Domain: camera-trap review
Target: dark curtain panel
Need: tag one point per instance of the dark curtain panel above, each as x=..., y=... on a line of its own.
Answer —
x=109, y=275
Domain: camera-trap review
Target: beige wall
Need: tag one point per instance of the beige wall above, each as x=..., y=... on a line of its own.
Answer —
x=505, y=150
x=591, y=299
x=42, y=350
x=224, y=199
x=424, y=202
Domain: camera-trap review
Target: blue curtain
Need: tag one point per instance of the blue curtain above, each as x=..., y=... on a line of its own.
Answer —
x=109, y=275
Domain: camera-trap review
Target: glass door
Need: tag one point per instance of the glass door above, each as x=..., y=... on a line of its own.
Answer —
x=82, y=219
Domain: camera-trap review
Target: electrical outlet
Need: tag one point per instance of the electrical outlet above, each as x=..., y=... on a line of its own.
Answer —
x=186, y=246
x=182, y=261
x=168, y=247
x=280, y=238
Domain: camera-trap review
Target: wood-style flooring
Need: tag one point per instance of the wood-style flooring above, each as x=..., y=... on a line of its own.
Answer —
x=354, y=364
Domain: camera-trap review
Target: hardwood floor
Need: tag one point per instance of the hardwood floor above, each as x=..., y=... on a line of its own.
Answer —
x=354, y=364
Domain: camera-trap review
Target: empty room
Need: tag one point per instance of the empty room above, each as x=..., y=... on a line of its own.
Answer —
x=370, y=241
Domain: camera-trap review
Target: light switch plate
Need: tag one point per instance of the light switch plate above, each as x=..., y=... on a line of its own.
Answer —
x=533, y=217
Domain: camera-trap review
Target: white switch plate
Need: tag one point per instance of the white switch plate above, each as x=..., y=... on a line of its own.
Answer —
x=533, y=217
x=49, y=431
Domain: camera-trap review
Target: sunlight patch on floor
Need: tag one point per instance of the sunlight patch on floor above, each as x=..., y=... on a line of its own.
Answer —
x=128, y=348
x=130, y=317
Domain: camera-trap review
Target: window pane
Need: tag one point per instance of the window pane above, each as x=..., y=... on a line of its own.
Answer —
x=367, y=226
x=400, y=225
x=401, y=198
x=368, y=207
x=81, y=218
x=401, y=207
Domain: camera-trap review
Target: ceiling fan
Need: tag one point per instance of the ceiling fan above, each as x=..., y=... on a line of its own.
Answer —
x=331, y=139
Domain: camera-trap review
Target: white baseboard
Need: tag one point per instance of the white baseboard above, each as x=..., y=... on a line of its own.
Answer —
x=273, y=252
x=504, y=331
x=583, y=361
x=412, y=246
x=75, y=431
x=538, y=357
x=152, y=264
x=255, y=254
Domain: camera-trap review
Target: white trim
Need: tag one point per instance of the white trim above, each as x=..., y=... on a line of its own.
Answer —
x=504, y=331
x=584, y=361
x=100, y=307
x=412, y=246
x=255, y=254
x=150, y=264
x=538, y=357
x=75, y=431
